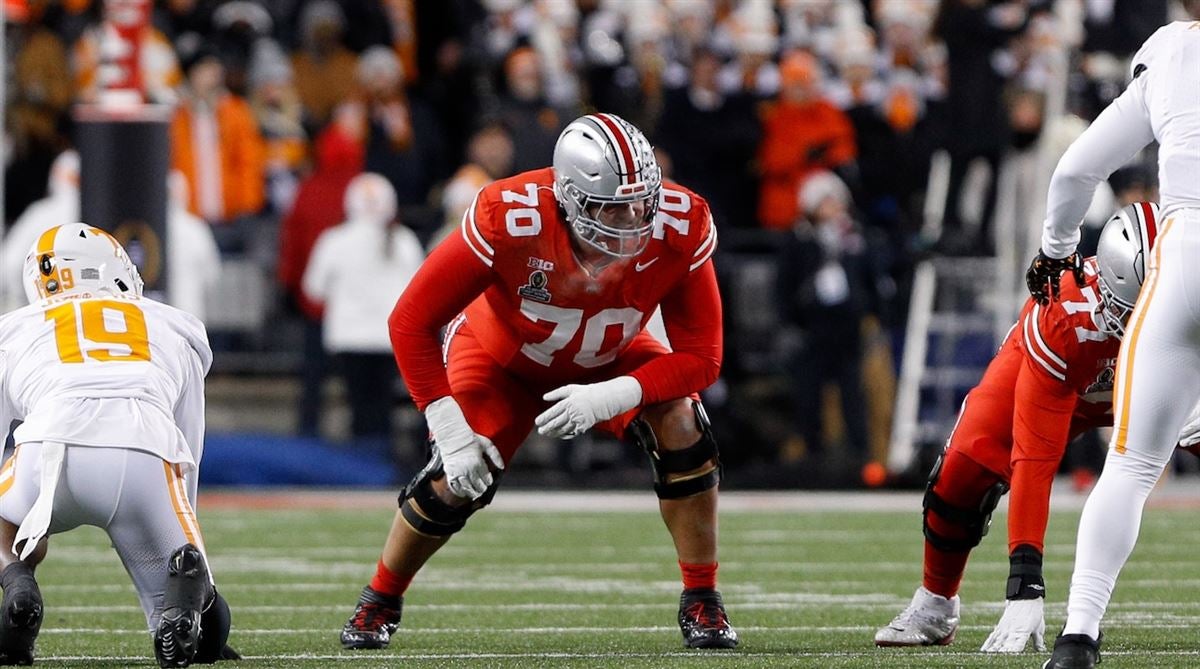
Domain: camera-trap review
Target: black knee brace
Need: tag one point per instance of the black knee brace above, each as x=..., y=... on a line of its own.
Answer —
x=427, y=514
x=214, y=631
x=975, y=521
x=667, y=463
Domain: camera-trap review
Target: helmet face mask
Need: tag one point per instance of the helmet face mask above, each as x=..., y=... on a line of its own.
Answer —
x=607, y=182
x=1121, y=254
x=1113, y=312
x=77, y=260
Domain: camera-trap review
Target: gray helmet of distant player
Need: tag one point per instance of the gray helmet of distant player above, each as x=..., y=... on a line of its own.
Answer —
x=1122, y=256
x=607, y=181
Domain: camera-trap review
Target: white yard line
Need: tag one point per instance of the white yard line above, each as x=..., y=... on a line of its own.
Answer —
x=1172, y=494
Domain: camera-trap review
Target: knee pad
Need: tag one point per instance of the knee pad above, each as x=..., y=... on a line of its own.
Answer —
x=214, y=630
x=427, y=514
x=973, y=521
x=691, y=461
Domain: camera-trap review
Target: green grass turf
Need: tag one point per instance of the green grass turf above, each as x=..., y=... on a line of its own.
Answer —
x=520, y=589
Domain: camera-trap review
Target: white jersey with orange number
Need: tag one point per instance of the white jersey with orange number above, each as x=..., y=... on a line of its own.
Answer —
x=1160, y=104
x=108, y=371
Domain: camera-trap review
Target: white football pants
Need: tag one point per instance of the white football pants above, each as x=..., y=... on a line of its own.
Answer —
x=139, y=499
x=1157, y=383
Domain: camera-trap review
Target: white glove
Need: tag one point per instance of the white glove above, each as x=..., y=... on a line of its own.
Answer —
x=465, y=455
x=579, y=407
x=1022, y=619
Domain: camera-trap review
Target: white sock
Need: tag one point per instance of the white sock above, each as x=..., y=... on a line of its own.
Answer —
x=1108, y=530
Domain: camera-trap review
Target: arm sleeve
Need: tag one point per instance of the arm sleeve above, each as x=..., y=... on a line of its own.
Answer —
x=692, y=316
x=1043, y=408
x=1120, y=131
x=315, y=284
x=445, y=284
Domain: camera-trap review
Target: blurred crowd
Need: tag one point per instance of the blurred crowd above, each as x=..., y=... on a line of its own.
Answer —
x=809, y=125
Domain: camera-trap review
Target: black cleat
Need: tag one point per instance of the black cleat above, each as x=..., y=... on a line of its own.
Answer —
x=375, y=619
x=20, y=615
x=188, y=589
x=1074, y=651
x=703, y=621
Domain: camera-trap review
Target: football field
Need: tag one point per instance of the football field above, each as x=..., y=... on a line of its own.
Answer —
x=570, y=580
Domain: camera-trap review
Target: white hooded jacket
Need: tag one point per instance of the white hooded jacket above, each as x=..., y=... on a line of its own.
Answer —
x=355, y=273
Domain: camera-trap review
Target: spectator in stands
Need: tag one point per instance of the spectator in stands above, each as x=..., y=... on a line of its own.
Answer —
x=975, y=33
x=280, y=118
x=318, y=206
x=403, y=139
x=216, y=144
x=895, y=139
x=175, y=18
x=826, y=285
x=158, y=68
x=489, y=157
x=711, y=137
x=358, y=270
x=239, y=29
x=635, y=90
x=324, y=66
x=193, y=261
x=752, y=36
x=37, y=99
x=802, y=133
x=534, y=123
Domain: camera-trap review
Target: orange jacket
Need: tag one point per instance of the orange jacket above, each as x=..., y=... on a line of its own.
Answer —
x=798, y=139
x=242, y=156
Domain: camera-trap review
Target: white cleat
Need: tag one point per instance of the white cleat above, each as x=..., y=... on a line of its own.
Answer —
x=929, y=620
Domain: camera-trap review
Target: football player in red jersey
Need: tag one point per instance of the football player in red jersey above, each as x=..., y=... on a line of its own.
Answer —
x=1051, y=380
x=544, y=297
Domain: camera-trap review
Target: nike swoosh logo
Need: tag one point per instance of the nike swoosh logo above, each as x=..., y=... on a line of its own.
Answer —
x=641, y=266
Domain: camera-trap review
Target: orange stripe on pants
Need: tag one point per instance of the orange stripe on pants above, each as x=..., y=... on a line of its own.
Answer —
x=8, y=475
x=1125, y=357
x=183, y=510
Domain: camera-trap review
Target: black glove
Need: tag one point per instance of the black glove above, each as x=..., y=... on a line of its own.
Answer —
x=1045, y=270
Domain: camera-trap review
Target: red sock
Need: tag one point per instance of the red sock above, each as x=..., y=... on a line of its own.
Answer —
x=699, y=575
x=389, y=583
x=944, y=570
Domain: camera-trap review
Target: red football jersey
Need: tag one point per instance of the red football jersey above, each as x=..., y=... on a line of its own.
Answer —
x=1064, y=340
x=526, y=298
x=1051, y=380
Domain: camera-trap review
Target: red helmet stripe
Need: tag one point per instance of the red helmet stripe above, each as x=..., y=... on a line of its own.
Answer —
x=624, y=152
x=1149, y=225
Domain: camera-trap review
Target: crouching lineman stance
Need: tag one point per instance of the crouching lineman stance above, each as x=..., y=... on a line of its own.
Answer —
x=546, y=292
x=1051, y=380
x=110, y=388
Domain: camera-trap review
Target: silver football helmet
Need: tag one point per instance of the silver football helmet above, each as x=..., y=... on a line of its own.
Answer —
x=1121, y=261
x=78, y=259
x=607, y=181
